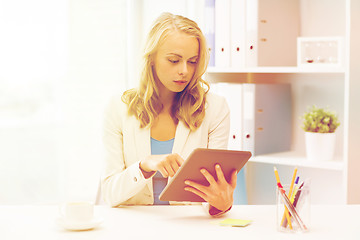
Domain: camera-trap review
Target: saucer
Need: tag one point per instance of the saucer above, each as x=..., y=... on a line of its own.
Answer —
x=79, y=226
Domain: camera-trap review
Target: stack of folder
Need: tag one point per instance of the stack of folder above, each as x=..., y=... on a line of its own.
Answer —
x=260, y=116
x=251, y=33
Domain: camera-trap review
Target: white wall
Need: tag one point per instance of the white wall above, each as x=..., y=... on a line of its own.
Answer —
x=315, y=14
x=60, y=63
x=97, y=70
x=33, y=62
x=353, y=152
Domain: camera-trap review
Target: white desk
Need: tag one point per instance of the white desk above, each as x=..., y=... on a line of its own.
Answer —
x=176, y=222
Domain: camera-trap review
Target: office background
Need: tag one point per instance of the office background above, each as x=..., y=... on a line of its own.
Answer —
x=62, y=60
x=60, y=63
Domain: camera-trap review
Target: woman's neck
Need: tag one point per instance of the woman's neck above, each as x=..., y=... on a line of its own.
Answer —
x=164, y=127
x=167, y=100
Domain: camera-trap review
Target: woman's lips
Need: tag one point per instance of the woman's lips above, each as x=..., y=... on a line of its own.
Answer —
x=180, y=82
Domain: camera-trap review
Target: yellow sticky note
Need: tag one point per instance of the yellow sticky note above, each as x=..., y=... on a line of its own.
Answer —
x=235, y=222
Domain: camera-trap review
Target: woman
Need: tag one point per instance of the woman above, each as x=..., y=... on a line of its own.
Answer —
x=149, y=131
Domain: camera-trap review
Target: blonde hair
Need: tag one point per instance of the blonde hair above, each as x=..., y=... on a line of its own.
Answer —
x=189, y=105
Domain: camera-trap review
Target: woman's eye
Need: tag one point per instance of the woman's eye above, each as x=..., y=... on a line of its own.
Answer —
x=193, y=62
x=173, y=61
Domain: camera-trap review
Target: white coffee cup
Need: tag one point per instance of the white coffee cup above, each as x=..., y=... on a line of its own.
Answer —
x=77, y=212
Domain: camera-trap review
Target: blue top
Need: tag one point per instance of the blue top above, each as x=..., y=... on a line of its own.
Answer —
x=159, y=182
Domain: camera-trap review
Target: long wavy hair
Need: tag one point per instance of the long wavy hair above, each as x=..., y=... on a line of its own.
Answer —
x=189, y=104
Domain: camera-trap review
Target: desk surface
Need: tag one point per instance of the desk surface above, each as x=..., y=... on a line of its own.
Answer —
x=177, y=222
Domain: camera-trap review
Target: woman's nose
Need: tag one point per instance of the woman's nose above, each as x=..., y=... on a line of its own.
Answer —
x=183, y=69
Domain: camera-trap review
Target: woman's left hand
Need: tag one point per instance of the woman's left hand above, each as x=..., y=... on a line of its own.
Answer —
x=218, y=194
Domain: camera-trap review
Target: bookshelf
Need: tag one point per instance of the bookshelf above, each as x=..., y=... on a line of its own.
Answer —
x=295, y=159
x=334, y=87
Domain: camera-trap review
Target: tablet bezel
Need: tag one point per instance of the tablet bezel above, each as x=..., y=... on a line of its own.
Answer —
x=200, y=158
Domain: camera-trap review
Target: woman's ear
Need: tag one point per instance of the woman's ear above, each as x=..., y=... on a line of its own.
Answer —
x=152, y=61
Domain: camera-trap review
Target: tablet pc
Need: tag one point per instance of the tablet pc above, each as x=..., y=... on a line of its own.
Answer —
x=190, y=170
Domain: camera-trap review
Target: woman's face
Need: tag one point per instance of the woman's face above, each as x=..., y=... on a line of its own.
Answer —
x=175, y=62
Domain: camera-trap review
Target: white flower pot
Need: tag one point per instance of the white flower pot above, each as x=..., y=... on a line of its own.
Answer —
x=320, y=146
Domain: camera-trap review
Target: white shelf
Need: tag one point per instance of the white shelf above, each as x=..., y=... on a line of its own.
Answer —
x=295, y=159
x=315, y=69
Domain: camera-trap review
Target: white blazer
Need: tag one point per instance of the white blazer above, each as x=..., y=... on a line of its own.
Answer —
x=126, y=144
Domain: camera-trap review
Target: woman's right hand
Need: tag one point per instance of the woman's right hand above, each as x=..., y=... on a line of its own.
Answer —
x=167, y=164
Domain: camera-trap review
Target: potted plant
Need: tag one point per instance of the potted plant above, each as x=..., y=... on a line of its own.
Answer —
x=319, y=125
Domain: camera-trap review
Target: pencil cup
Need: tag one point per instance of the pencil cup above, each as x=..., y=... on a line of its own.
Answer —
x=293, y=211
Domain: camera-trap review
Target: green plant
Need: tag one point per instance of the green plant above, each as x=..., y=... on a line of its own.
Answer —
x=320, y=120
